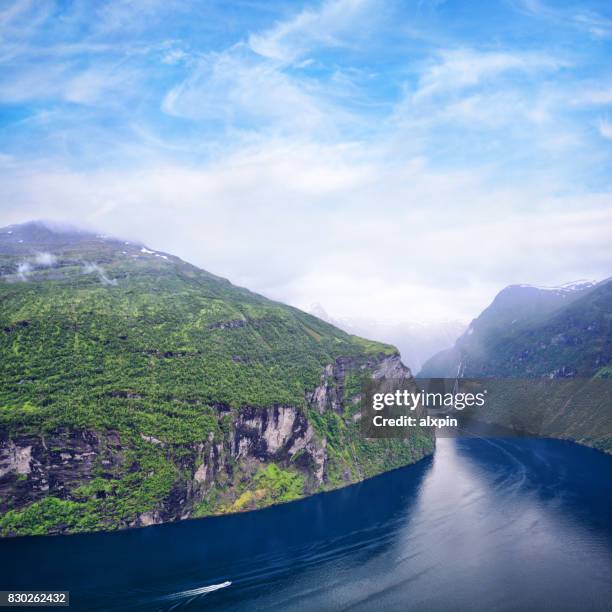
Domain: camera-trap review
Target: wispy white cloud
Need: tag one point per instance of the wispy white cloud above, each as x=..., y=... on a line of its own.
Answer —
x=254, y=80
x=45, y=260
x=62, y=82
x=79, y=53
x=462, y=68
x=578, y=17
x=492, y=110
x=605, y=128
x=597, y=25
x=10, y=12
x=238, y=91
x=235, y=88
x=23, y=16
x=94, y=268
x=24, y=269
x=125, y=15
x=594, y=96
x=326, y=26
x=175, y=56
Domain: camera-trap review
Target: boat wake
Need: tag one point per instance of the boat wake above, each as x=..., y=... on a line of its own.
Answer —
x=199, y=591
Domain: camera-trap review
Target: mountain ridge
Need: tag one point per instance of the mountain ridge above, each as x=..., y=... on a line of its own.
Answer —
x=515, y=311
x=139, y=389
x=546, y=359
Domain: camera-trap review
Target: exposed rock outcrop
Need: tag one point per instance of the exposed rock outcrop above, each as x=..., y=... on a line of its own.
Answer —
x=59, y=463
x=33, y=467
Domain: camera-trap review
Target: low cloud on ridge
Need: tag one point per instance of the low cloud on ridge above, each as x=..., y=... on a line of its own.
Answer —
x=366, y=155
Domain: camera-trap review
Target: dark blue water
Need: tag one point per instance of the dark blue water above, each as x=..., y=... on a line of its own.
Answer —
x=515, y=524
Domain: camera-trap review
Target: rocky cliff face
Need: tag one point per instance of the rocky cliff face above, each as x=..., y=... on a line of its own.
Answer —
x=234, y=471
x=54, y=463
x=136, y=388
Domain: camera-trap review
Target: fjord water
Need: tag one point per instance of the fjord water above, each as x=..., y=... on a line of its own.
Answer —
x=484, y=524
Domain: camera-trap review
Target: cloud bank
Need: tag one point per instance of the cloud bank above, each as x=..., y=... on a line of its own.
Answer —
x=374, y=157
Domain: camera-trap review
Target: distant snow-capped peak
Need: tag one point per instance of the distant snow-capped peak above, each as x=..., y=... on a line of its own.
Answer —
x=570, y=287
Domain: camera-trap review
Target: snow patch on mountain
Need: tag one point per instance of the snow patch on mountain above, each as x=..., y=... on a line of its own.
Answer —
x=570, y=287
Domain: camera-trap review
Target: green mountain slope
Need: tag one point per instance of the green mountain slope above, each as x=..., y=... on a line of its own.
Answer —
x=549, y=357
x=136, y=389
x=530, y=332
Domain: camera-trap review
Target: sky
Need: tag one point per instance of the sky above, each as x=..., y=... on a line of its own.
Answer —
x=394, y=160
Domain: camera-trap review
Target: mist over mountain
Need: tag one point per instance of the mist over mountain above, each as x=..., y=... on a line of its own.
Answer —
x=416, y=341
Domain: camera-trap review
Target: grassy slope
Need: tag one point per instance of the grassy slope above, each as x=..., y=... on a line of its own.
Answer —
x=150, y=355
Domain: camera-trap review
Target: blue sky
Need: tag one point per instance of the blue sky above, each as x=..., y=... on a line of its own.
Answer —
x=394, y=160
